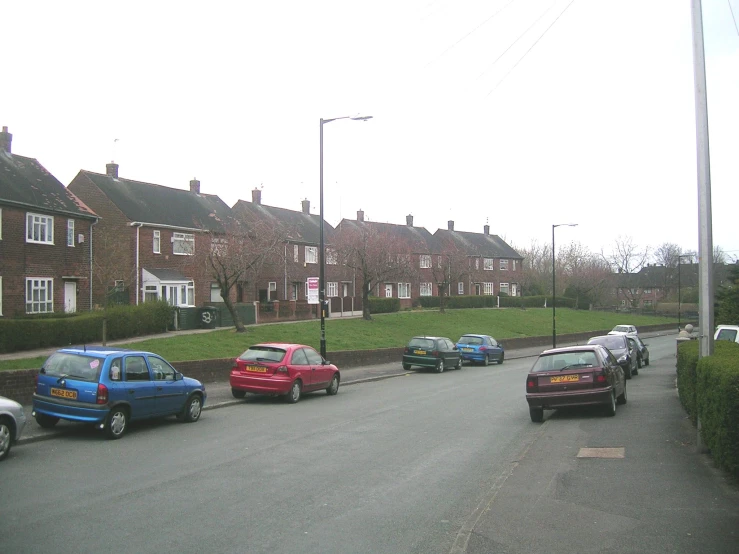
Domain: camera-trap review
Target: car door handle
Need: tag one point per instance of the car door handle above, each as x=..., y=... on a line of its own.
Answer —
x=131, y=391
x=160, y=388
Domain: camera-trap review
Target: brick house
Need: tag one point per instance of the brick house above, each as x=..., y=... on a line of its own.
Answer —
x=149, y=236
x=45, y=246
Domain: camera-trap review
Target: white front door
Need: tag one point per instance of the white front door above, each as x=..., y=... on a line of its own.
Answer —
x=388, y=291
x=514, y=289
x=70, y=297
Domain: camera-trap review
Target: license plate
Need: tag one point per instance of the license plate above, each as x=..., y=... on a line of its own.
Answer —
x=64, y=393
x=256, y=368
x=468, y=350
x=564, y=379
x=420, y=352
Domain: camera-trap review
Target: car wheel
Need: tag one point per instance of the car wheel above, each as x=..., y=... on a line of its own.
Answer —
x=116, y=423
x=6, y=436
x=634, y=371
x=646, y=362
x=406, y=366
x=502, y=357
x=193, y=408
x=638, y=362
x=237, y=393
x=611, y=408
x=537, y=414
x=46, y=421
x=459, y=364
x=627, y=373
x=622, y=397
x=333, y=388
x=294, y=395
x=486, y=360
x=440, y=366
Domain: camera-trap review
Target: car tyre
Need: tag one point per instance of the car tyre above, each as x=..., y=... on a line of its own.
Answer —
x=333, y=388
x=622, y=397
x=646, y=362
x=611, y=407
x=46, y=421
x=627, y=373
x=459, y=364
x=294, y=395
x=193, y=409
x=638, y=362
x=117, y=423
x=537, y=414
x=440, y=366
x=6, y=437
x=486, y=360
x=635, y=371
x=237, y=393
x=406, y=366
x=502, y=357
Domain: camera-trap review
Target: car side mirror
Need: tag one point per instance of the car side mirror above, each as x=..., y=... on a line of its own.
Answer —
x=325, y=362
x=178, y=376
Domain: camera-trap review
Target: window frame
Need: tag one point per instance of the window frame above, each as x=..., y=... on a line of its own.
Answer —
x=460, y=287
x=70, y=232
x=488, y=264
x=45, y=222
x=404, y=290
x=182, y=239
x=311, y=255
x=332, y=289
x=503, y=264
x=48, y=288
x=156, y=242
x=488, y=289
x=426, y=289
x=424, y=261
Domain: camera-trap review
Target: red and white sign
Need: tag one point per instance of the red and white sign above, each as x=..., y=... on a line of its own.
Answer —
x=313, y=296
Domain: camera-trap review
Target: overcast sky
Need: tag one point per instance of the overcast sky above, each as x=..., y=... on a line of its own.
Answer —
x=519, y=114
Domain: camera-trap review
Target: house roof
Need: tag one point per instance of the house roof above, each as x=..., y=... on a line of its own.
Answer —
x=479, y=244
x=160, y=205
x=25, y=183
x=419, y=239
x=301, y=227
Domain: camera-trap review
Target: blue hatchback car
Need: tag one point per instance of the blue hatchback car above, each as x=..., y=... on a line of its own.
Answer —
x=480, y=349
x=110, y=387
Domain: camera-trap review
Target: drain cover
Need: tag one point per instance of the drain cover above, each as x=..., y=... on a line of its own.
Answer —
x=601, y=453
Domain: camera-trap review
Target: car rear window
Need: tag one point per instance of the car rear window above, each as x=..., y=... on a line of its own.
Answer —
x=420, y=342
x=565, y=360
x=263, y=354
x=471, y=340
x=73, y=366
x=726, y=334
x=610, y=342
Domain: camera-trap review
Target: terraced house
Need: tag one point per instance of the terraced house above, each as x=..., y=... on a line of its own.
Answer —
x=45, y=239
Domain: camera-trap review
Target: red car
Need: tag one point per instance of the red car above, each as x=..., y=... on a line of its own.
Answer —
x=283, y=369
x=575, y=376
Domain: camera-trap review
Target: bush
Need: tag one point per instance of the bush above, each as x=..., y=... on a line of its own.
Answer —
x=687, y=362
x=383, y=305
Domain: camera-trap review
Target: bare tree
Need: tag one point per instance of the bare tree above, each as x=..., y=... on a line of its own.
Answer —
x=449, y=266
x=626, y=257
x=374, y=253
x=667, y=254
x=536, y=273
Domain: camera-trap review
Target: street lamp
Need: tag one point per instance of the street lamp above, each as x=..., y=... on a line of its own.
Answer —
x=679, y=300
x=321, y=253
x=554, y=290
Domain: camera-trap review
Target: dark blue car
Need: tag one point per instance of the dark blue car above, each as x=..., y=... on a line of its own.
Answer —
x=110, y=387
x=481, y=349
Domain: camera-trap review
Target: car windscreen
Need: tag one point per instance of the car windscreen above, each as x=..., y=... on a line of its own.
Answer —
x=610, y=342
x=621, y=329
x=470, y=340
x=726, y=334
x=73, y=366
x=565, y=360
x=263, y=354
x=420, y=342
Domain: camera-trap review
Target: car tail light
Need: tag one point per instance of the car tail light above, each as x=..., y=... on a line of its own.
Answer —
x=282, y=369
x=435, y=353
x=406, y=350
x=531, y=384
x=102, y=397
x=235, y=366
x=483, y=348
x=600, y=379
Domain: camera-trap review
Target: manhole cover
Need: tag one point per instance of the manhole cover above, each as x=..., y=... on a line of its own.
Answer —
x=601, y=453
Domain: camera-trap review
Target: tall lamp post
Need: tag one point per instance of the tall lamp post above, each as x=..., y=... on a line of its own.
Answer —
x=554, y=290
x=321, y=251
x=679, y=287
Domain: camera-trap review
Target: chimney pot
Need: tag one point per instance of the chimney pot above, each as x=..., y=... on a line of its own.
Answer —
x=306, y=206
x=409, y=220
x=450, y=225
x=195, y=186
x=6, y=140
x=487, y=229
x=256, y=196
x=111, y=170
x=360, y=215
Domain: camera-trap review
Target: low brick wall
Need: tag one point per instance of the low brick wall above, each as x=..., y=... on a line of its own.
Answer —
x=19, y=384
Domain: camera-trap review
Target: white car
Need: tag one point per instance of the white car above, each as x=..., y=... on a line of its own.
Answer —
x=12, y=421
x=623, y=330
x=727, y=332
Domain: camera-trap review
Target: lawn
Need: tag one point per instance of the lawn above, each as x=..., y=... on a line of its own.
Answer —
x=384, y=331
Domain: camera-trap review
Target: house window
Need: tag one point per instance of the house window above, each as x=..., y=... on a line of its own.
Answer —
x=39, y=229
x=272, y=290
x=150, y=293
x=331, y=256
x=39, y=296
x=488, y=288
x=504, y=265
x=489, y=264
x=294, y=291
x=332, y=289
x=477, y=263
x=311, y=255
x=183, y=244
x=438, y=261
x=425, y=261
x=157, y=242
x=426, y=289
x=404, y=290
x=460, y=288
x=119, y=285
x=215, y=293
x=647, y=303
x=647, y=291
x=514, y=265
x=504, y=289
x=296, y=253
x=70, y=232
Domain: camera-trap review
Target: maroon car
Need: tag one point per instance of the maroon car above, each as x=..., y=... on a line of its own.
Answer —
x=575, y=376
x=283, y=369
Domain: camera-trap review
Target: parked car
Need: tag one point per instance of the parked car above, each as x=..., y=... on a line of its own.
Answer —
x=12, y=421
x=437, y=353
x=283, y=369
x=623, y=330
x=642, y=352
x=621, y=348
x=480, y=349
x=110, y=387
x=727, y=332
x=575, y=376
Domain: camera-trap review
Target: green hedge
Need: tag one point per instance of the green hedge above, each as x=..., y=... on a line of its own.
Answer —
x=687, y=362
x=383, y=305
x=487, y=301
x=84, y=328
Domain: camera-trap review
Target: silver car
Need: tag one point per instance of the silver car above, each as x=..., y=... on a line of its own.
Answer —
x=12, y=421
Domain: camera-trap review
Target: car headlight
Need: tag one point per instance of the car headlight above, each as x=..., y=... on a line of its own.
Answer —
x=623, y=359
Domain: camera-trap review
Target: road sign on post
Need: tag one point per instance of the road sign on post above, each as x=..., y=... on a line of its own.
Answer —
x=313, y=290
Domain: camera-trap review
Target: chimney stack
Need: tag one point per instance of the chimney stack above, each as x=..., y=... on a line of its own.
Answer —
x=450, y=225
x=256, y=196
x=195, y=186
x=360, y=215
x=111, y=170
x=409, y=220
x=487, y=229
x=6, y=140
x=306, y=206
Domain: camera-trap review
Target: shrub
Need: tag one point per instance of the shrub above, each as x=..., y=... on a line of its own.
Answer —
x=687, y=362
x=383, y=305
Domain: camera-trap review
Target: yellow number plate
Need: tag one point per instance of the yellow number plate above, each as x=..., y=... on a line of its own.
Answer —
x=64, y=393
x=468, y=350
x=420, y=352
x=256, y=368
x=564, y=379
